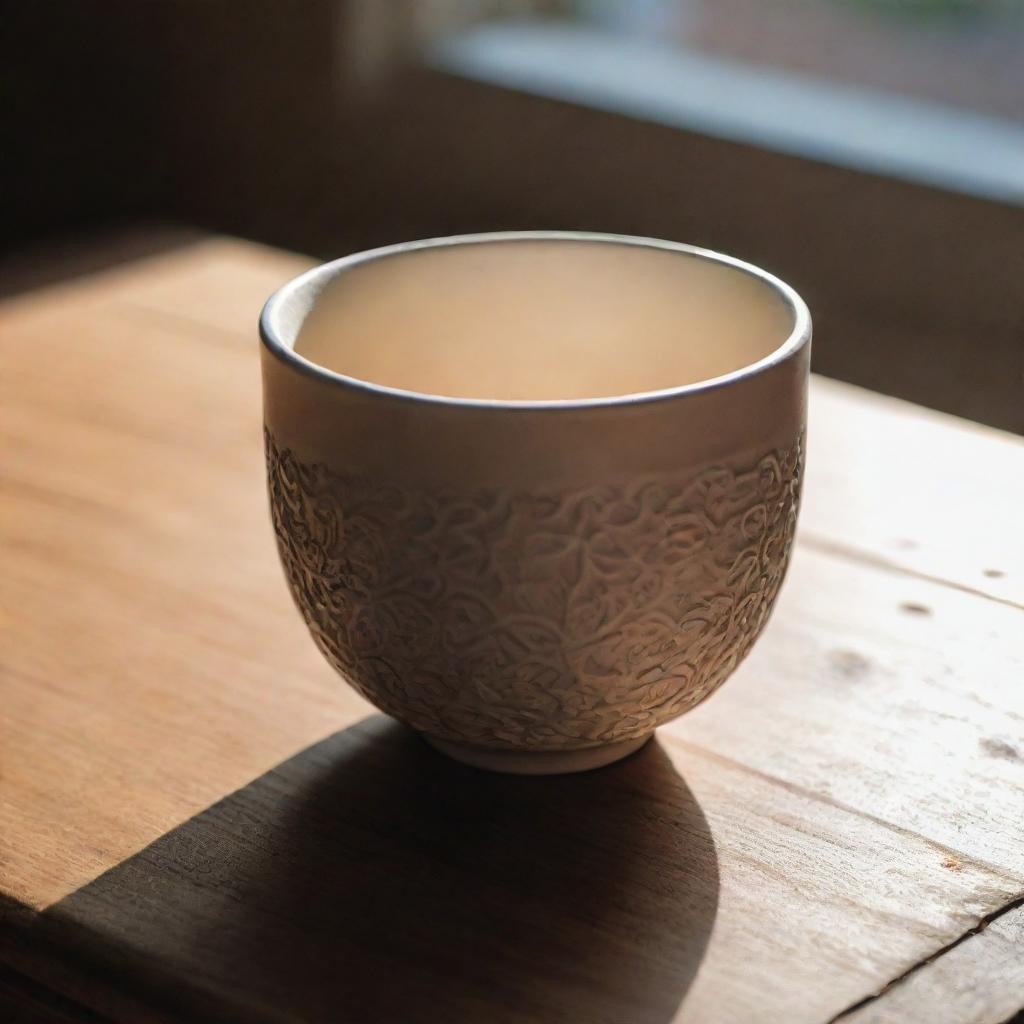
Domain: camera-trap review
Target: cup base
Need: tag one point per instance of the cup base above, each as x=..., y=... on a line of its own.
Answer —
x=538, y=762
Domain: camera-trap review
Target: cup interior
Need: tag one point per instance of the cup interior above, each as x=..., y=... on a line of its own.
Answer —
x=533, y=319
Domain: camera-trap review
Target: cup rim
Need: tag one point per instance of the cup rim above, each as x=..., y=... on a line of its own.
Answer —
x=278, y=311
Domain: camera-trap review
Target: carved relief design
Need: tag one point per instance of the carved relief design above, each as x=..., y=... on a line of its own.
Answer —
x=544, y=621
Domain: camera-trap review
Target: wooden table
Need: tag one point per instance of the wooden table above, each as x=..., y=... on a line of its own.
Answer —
x=198, y=821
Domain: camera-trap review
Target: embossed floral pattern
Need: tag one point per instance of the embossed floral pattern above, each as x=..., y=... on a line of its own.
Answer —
x=545, y=621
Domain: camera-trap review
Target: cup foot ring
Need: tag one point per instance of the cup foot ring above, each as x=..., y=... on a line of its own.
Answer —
x=538, y=762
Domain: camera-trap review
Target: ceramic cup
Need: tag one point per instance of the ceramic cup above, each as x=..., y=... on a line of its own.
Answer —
x=535, y=493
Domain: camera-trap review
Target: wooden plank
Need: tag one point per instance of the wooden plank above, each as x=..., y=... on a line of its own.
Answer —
x=151, y=660
x=979, y=981
x=934, y=495
x=895, y=696
x=367, y=879
x=846, y=805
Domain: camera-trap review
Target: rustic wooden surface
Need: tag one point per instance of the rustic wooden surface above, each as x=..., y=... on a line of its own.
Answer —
x=979, y=981
x=198, y=821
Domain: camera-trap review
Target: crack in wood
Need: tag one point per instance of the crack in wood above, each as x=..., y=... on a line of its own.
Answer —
x=977, y=929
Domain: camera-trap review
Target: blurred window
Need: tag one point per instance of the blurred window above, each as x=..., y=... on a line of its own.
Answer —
x=929, y=90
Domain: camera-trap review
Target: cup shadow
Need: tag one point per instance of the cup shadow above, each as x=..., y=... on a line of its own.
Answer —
x=368, y=878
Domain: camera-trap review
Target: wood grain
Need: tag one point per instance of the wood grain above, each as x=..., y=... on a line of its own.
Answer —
x=980, y=981
x=891, y=695
x=934, y=495
x=646, y=894
x=145, y=631
x=846, y=807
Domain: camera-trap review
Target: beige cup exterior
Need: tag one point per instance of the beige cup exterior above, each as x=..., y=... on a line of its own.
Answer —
x=536, y=587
